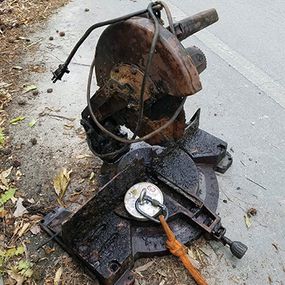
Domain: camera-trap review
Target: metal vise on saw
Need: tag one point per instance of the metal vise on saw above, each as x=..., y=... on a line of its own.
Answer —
x=144, y=75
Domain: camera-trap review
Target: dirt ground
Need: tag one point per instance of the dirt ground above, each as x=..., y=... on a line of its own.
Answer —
x=20, y=261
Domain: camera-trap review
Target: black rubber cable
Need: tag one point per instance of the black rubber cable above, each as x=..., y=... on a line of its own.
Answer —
x=146, y=72
x=157, y=6
x=120, y=139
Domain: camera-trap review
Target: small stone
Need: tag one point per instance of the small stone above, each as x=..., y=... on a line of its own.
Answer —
x=51, y=38
x=215, y=115
x=86, y=10
x=238, y=188
x=16, y=163
x=49, y=90
x=225, y=201
x=78, y=190
x=36, y=92
x=33, y=141
x=61, y=34
x=22, y=102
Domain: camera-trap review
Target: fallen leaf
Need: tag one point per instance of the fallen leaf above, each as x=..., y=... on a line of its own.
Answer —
x=192, y=255
x=24, y=268
x=36, y=218
x=247, y=220
x=57, y=276
x=16, y=276
x=4, y=176
x=92, y=175
x=68, y=126
x=32, y=123
x=3, y=213
x=16, y=120
x=49, y=250
x=30, y=88
x=144, y=267
x=14, y=251
x=36, y=229
x=23, y=230
x=82, y=156
x=2, y=137
x=5, y=85
x=20, y=209
x=61, y=182
x=6, y=196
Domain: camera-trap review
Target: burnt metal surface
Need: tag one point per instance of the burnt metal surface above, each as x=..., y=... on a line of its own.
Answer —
x=172, y=70
x=120, y=66
x=102, y=235
x=107, y=240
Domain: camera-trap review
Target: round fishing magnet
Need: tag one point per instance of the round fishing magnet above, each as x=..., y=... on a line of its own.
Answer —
x=134, y=193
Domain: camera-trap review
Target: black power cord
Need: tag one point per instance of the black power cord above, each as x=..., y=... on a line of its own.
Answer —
x=153, y=9
x=63, y=68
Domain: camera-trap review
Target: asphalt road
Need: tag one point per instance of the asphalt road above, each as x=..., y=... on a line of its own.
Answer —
x=242, y=102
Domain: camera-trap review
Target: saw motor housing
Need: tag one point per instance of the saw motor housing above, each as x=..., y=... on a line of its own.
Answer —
x=120, y=60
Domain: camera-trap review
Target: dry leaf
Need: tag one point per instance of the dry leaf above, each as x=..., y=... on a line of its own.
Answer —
x=36, y=218
x=36, y=229
x=20, y=209
x=29, y=88
x=82, y=156
x=247, y=220
x=16, y=276
x=23, y=230
x=92, y=175
x=192, y=255
x=144, y=267
x=3, y=213
x=2, y=137
x=68, y=126
x=58, y=276
x=4, y=176
x=61, y=182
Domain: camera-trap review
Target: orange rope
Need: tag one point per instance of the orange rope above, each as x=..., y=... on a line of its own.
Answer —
x=178, y=249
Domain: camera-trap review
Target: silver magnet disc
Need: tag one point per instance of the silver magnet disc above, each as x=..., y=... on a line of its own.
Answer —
x=134, y=193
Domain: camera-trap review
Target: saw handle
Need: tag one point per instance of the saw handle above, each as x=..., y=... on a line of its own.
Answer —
x=195, y=23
